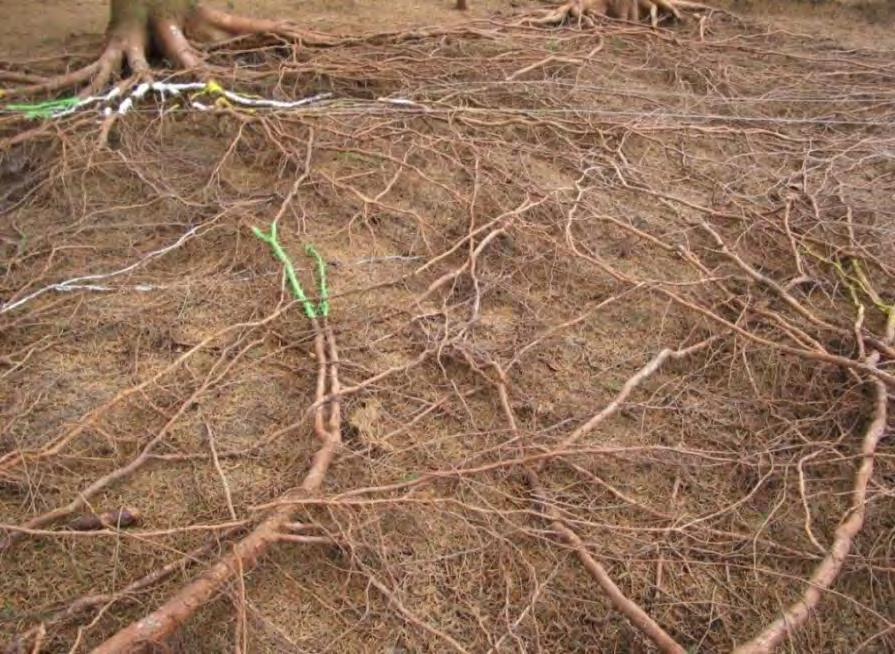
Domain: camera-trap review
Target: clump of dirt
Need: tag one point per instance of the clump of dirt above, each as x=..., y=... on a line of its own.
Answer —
x=623, y=284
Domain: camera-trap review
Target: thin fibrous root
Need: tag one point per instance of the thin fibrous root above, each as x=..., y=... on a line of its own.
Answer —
x=632, y=611
x=829, y=568
x=168, y=618
x=94, y=602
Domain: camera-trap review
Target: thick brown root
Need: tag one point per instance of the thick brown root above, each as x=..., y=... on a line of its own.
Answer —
x=584, y=12
x=128, y=43
x=174, y=43
x=827, y=571
x=168, y=618
x=235, y=25
x=60, y=82
x=124, y=44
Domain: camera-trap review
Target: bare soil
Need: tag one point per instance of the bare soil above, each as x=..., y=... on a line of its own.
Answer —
x=596, y=183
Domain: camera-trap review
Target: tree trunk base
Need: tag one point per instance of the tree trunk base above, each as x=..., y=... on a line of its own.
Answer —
x=172, y=27
x=134, y=30
x=585, y=12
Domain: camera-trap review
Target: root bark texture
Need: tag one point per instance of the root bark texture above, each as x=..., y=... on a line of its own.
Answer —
x=586, y=11
x=520, y=231
x=826, y=573
x=630, y=609
x=172, y=27
x=154, y=628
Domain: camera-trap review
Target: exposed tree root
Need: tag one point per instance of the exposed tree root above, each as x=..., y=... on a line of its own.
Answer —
x=145, y=456
x=128, y=45
x=13, y=460
x=168, y=618
x=635, y=614
x=234, y=25
x=586, y=11
x=630, y=609
x=829, y=568
x=674, y=502
x=95, y=601
x=95, y=75
x=175, y=34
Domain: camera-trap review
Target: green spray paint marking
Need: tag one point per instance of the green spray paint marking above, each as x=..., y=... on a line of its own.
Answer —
x=45, y=109
x=312, y=311
x=323, y=307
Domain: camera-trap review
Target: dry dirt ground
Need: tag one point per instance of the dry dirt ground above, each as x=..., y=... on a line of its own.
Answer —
x=504, y=255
